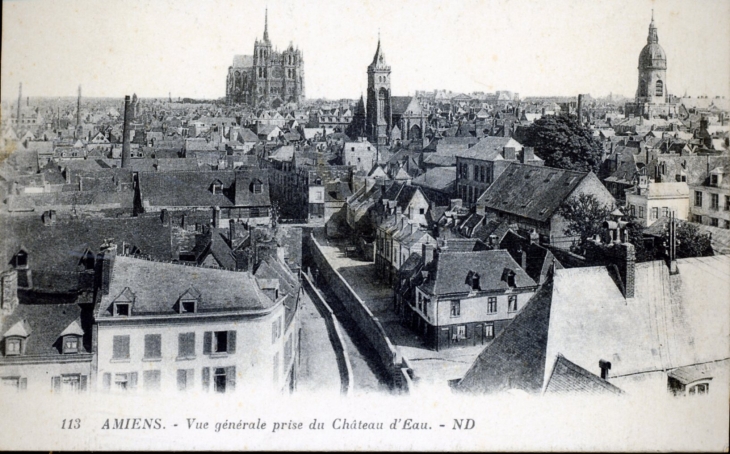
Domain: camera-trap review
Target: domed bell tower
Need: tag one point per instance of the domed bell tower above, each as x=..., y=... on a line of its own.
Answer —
x=652, y=86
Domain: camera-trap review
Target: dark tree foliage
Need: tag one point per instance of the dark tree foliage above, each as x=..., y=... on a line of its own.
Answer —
x=635, y=233
x=563, y=143
x=690, y=241
x=585, y=215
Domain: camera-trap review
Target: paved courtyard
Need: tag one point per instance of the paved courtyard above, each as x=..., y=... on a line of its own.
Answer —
x=429, y=366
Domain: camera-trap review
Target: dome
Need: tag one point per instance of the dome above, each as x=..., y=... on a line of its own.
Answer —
x=653, y=56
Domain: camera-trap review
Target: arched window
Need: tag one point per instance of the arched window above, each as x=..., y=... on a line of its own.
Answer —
x=659, y=88
x=642, y=88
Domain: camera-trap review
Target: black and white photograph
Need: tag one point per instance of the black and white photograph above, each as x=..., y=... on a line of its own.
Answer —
x=479, y=225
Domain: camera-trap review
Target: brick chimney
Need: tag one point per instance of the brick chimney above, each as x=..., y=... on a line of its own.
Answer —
x=165, y=217
x=509, y=153
x=528, y=154
x=216, y=216
x=427, y=252
x=108, y=256
x=8, y=291
x=126, y=148
x=231, y=231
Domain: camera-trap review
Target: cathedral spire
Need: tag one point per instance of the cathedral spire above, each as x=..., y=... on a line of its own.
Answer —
x=266, y=25
x=653, y=38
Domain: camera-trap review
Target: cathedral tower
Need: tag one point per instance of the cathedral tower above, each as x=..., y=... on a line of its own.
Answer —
x=379, y=118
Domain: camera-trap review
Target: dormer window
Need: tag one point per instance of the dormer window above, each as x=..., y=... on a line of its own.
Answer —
x=216, y=187
x=13, y=346
x=257, y=187
x=121, y=309
x=713, y=180
x=21, y=259
x=188, y=307
x=70, y=344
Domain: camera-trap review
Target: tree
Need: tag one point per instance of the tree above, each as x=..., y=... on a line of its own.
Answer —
x=585, y=215
x=690, y=241
x=635, y=234
x=563, y=143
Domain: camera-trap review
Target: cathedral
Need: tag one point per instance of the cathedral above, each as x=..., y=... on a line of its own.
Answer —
x=652, y=98
x=268, y=78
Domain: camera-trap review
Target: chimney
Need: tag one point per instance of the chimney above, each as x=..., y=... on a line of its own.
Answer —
x=627, y=267
x=428, y=250
x=108, y=256
x=67, y=175
x=231, y=231
x=49, y=217
x=81, y=183
x=126, y=150
x=216, y=217
x=580, y=109
x=523, y=257
x=9, y=291
x=509, y=153
x=165, y=217
x=672, y=245
x=534, y=237
x=605, y=367
x=528, y=154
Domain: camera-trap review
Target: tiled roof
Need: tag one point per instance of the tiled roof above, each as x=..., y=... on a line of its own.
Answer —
x=158, y=286
x=533, y=192
x=489, y=148
x=438, y=178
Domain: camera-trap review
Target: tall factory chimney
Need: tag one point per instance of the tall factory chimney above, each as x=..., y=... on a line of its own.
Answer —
x=126, y=150
x=580, y=109
x=78, y=110
x=20, y=99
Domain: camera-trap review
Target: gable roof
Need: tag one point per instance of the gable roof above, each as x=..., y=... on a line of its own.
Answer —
x=533, y=192
x=568, y=377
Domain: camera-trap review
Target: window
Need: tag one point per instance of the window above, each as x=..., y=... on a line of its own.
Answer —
x=287, y=351
x=460, y=332
x=257, y=187
x=187, y=307
x=727, y=224
x=698, y=198
x=69, y=383
x=512, y=303
x=151, y=380
x=21, y=259
x=185, y=379
x=70, y=344
x=152, y=346
x=186, y=346
x=275, y=330
x=641, y=212
x=276, y=367
x=665, y=212
x=715, y=201
x=488, y=330
x=124, y=382
x=713, y=180
x=492, y=305
x=632, y=210
x=121, y=309
x=120, y=350
x=655, y=213
x=219, y=342
x=701, y=388
x=727, y=203
x=714, y=222
x=13, y=346
x=659, y=88
x=14, y=383
x=456, y=308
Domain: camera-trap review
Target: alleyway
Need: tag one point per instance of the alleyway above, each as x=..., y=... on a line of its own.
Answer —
x=318, y=369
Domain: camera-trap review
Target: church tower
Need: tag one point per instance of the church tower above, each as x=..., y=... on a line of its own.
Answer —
x=652, y=86
x=262, y=65
x=379, y=119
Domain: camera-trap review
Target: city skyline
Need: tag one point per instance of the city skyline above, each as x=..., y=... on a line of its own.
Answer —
x=521, y=51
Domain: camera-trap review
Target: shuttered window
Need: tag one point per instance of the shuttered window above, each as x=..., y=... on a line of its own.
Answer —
x=152, y=346
x=215, y=342
x=121, y=347
x=151, y=380
x=185, y=379
x=186, y=345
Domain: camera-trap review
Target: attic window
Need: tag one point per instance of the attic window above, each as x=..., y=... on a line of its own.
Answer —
x=21, y=259
x=70, y=344
x=216, y=187
x=257, y=187
x=121, y=309
x=188, y=307
x=543, y=211
x=570, y=181
x=13, y=346
x=713, y=180
x=550, y=176
x=530, y=173
x=526, y=204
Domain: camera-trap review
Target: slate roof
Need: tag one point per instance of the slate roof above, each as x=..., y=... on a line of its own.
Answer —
x=489, y=148
x=399, y=104
x=516, y=357
x=453, y=267
x=570, y=378
x=438, y=178
x=47, y=320
x=533, y=192
x=157, y=287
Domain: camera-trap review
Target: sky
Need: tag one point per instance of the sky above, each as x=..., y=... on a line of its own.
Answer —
x=536, y=48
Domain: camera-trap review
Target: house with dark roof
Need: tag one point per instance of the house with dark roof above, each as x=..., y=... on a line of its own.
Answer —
x=171, y=327
x=46, y=343
x=466, y=298
x=242, y=194
x=530, y=196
